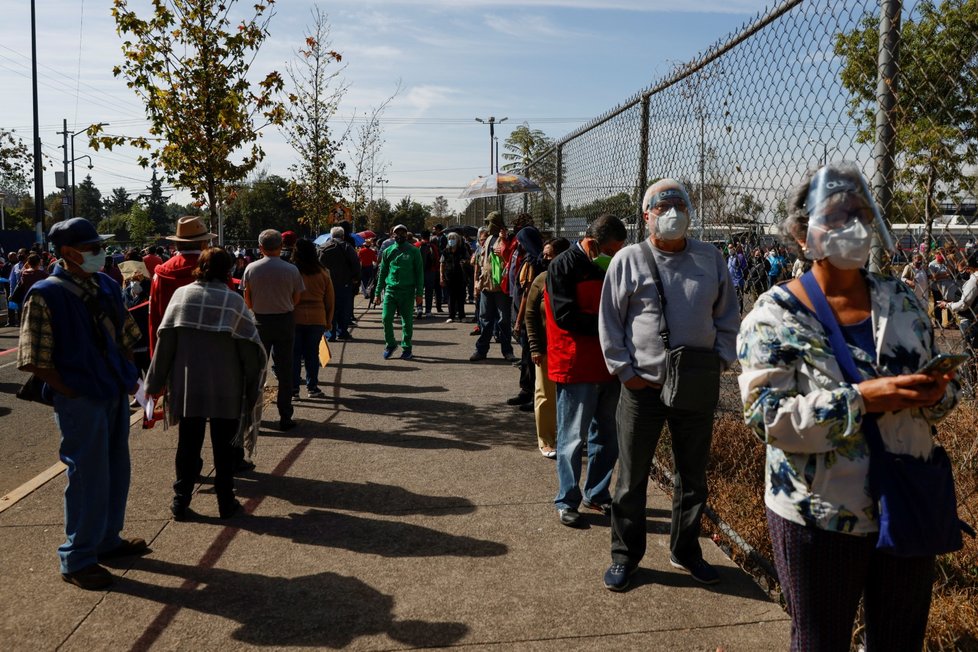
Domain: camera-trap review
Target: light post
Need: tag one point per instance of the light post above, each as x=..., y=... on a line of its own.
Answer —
x=3, y=214
x=73, y=159
x=382, y=181
x=492, y=122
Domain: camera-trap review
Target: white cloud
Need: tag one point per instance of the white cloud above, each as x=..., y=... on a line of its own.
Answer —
x=529, y=27
x=648, y=6
x=425, y=96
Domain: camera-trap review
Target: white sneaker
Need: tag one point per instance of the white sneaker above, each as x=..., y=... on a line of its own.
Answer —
x=449, y=321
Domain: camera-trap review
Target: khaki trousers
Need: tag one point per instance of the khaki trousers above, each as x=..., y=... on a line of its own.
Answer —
x=545, y=407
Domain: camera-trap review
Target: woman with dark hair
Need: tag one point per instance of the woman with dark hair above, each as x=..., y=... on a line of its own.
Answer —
x=312, y=313
x=211, y=361
x=822, y=392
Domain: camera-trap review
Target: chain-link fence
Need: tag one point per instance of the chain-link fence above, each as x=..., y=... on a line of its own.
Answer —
x=890, y=86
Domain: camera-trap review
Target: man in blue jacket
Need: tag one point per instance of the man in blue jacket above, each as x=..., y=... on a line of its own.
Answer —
x=77, y=337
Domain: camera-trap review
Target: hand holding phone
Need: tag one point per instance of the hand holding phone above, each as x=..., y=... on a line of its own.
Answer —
x=943, y=364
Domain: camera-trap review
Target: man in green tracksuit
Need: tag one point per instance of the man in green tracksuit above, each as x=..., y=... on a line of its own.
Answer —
x=401, y=274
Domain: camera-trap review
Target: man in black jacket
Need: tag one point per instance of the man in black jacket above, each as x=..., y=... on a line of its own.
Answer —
x=344, y=267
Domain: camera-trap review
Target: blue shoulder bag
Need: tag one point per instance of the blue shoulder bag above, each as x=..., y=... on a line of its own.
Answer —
x=916, y=504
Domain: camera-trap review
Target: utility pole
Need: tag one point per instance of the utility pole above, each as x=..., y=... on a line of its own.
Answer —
x=65, y=197
x=382, y=181
x=492, y=122
x=38, y=168
x=887, y=81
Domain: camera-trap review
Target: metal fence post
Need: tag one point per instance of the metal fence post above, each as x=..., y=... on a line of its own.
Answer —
x=643, y=167
x=888, y=64
x=558, y=211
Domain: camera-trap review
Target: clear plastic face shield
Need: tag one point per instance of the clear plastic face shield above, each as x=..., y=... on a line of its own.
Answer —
x=842, y=215
x=670, y=212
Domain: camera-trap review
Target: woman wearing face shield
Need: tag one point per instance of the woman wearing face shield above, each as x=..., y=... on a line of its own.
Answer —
x=821, y=514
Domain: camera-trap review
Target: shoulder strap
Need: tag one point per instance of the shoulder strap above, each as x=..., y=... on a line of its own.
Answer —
x=842, y=353
x=657, y=280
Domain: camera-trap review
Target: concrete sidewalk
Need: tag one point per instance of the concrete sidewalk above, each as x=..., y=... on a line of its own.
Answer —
x=409, y=509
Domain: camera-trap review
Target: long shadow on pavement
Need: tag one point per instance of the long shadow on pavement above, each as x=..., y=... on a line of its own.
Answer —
x=370, y=497
x=321, y=610
x=395, y=439
x=369, y=536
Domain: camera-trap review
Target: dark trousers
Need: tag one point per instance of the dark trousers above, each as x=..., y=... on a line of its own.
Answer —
x=496, y=314
x=188, y=462
x=432, y=290
x=343, y=310
x=528, y=370
x=456, y=298
x=306, y=351
x=824, y=573
x=640, y=417
x=366, y=280
x=277, y=333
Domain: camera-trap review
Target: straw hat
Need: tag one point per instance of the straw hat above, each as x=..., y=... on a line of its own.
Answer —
x=190, y=228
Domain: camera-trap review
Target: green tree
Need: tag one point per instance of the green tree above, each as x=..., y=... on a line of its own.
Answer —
x=156, y=206
x=140, y=225
x=119, y=202
x=88, y=201
x=439, y=208
x=315, y=94
x=191, y=67
x=411, y=214
x=15, y=165
x=935, y=120
x=523, y=147
x=262, y=203
x=381, y=214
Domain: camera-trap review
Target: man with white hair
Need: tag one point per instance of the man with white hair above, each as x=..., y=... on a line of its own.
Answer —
x=666, y=302
x=272, y=288
x=344, y=269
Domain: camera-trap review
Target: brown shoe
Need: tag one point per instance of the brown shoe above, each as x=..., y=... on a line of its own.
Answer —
x=90, y=578
x=128, y=548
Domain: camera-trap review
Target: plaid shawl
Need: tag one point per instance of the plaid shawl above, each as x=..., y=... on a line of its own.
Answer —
x=212, y=306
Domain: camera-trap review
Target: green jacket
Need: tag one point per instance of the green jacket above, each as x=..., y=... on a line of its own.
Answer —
x=401, y=269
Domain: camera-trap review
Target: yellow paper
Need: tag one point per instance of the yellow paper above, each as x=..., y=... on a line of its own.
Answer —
x=324, y=354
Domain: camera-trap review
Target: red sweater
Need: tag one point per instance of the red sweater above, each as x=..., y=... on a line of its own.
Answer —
x=572, y=299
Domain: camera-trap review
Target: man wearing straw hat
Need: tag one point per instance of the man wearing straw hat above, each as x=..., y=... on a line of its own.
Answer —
x=191, y=238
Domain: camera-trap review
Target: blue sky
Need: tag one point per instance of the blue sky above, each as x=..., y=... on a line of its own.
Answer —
x=552, y=63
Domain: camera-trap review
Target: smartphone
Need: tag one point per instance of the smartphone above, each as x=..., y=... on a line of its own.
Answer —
x=944, y=363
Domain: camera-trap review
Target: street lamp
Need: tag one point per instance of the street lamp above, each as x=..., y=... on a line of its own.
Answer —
x=3, y=214
x=73, y=159
x=382, y=181
x=825, y=149
x=492, y=122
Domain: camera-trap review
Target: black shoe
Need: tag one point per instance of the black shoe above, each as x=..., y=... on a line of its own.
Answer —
x=616, y=577
x=702, y=572
x=180, y=511
x=527, y=407
x=476, y=331
x=344, y=337
x=520, y=399
x=286, y=424
x=90, y=578
x=243, y=466
x=569, y=517
x=510, y=357
x=475, y=357
x=228, y=509
x=603, y=509
x=128, y=548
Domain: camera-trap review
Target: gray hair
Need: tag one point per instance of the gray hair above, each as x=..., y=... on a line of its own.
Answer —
x=270, y=240
x=794, y=228
x=337, y=233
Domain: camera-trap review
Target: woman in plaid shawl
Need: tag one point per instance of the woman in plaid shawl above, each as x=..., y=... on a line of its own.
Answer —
x=211, y=360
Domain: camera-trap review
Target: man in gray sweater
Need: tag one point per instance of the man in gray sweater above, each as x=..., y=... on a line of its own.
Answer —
x=701, y=311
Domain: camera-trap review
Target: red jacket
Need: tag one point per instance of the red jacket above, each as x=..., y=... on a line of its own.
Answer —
x=572, y=299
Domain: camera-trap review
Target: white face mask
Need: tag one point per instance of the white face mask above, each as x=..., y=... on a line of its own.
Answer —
x=92, y=263
x=672, y=224
x=849, y=246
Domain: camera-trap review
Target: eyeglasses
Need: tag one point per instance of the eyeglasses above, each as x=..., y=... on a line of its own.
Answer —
x=839, y=218
x=664, y=206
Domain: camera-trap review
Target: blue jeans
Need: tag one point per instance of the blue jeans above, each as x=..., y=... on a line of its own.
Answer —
x=342, y=310
x=95, y=448
x=306, y=350
x=496, y=311
x=586, y=409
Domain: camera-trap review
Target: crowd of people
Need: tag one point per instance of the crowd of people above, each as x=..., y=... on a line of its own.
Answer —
x=616, y=343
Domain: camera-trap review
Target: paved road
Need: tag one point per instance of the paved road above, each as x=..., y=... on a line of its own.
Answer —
x=27, y=430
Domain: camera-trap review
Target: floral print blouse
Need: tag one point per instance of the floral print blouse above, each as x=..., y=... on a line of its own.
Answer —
x=797, y=402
